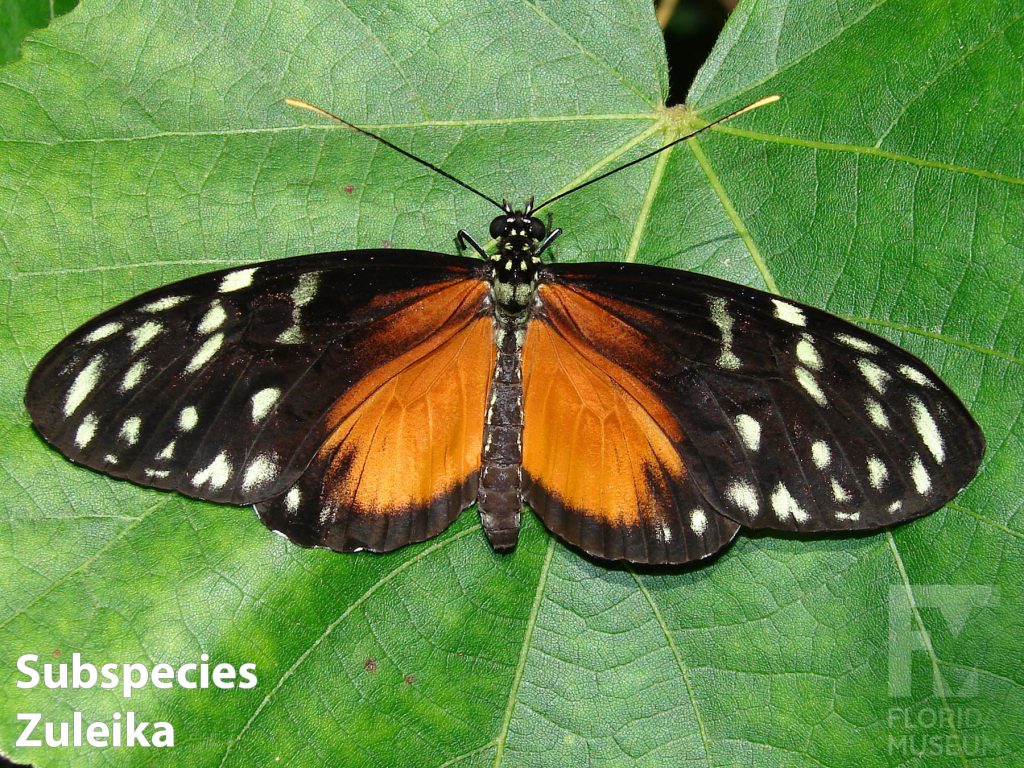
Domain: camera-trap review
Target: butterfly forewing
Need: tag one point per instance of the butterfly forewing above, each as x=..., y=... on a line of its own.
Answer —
x=226, y=386
x=790, y=418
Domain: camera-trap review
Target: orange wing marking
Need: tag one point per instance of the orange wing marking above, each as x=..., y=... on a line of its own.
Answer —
x=594, y=435
x=411, y=430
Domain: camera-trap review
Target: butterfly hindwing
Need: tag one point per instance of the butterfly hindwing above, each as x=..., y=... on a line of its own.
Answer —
x=788, y=417
x=600, y=447
x=227, y=386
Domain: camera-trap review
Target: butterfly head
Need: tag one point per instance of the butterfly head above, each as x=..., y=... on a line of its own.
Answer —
x=516, y=259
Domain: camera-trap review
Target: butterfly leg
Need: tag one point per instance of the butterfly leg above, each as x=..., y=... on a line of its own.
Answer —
x=463, y=238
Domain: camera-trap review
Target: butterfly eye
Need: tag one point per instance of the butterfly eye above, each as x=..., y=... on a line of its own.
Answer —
x=537, y=230
x=499, y=226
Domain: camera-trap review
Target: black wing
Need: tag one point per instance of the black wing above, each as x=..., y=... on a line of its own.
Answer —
x=791, y=418
x=221, y=386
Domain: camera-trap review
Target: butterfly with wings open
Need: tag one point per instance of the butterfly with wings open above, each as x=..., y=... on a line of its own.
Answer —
x=361, y=400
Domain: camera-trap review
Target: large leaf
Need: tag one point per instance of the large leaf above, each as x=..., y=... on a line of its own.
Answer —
x=146, y=142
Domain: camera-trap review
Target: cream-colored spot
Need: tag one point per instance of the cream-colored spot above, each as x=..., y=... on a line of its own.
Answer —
x=664, y=530
x=789, y=313
x=919, y=475
x=305, y=290
x=698, y=521
x=130, y=430
x=263, y=401
x=216, y=474
x=876, y=413
x=167, y=452
x=895, y=507
x=875, y=376
x=133, y=375
x=237, y=280
x=110, y=458
x=927, y=429
x=290, y=335
x=260, y=471
x=188, y=418
x=83, y=384
x=785, y=506
x=86, y=430
x=207, y=351
x=291, y=501
x=165, y=303
x=109, y=329
x=723, y=321
x=213, y=319
x=849, y=516
x=744, y=496
x=158, y=474
x=807, y=354
x=144, y=334
x=821, y=454
x=839, y=493
x=916, y=376
x=878, y=473
x=750, y=431
x=859, y=344
x=810, y=385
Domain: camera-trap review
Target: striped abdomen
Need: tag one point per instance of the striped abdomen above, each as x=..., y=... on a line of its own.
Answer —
x=500, y=496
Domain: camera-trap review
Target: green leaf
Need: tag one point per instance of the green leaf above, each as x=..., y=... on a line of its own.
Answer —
x=147, y=142
x=22, y=16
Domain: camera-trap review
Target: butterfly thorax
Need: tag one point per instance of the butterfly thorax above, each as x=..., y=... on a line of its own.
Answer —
x=515, y=262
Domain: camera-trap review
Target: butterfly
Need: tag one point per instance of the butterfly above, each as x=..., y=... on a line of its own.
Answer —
x=361, y=400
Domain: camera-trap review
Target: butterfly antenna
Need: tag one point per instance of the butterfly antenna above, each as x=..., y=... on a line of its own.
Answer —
x=759, y=103
x=306, y=105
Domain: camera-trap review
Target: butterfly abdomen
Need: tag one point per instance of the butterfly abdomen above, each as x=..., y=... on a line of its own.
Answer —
x=501, y=477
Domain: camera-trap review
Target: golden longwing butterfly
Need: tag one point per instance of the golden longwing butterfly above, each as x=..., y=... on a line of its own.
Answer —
x=362, y=399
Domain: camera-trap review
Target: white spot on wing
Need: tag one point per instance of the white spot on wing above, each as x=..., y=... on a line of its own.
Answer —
x=876, y=413
x=263, y=401
x=723, y=320
x=130, y=430
x=928, y=429
x=188, y=418
x=167, y=452
x=305, y=290
x=165, y=303
x=207, y=351
x=133, y=375
x=144, y=334
x=851, y=516
x=859, y=344
x=807, y=354
x=260, y=471
x=742, y=494
x=213, y=319
x=810, y=385
x=160, y=474
x=877, y=472
x=86, y=430
x=216, y=475
x=698, y=521
x=916, y=376
x=237, y=280
x=83, y=384
x=895, y=507
x=821, y=454
x=875, y=376
x=103, y=331
x=919, y=475
x=789, y=313
x=839, y=493
x=785, y=506
x=291, y=501
x=750, y=431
